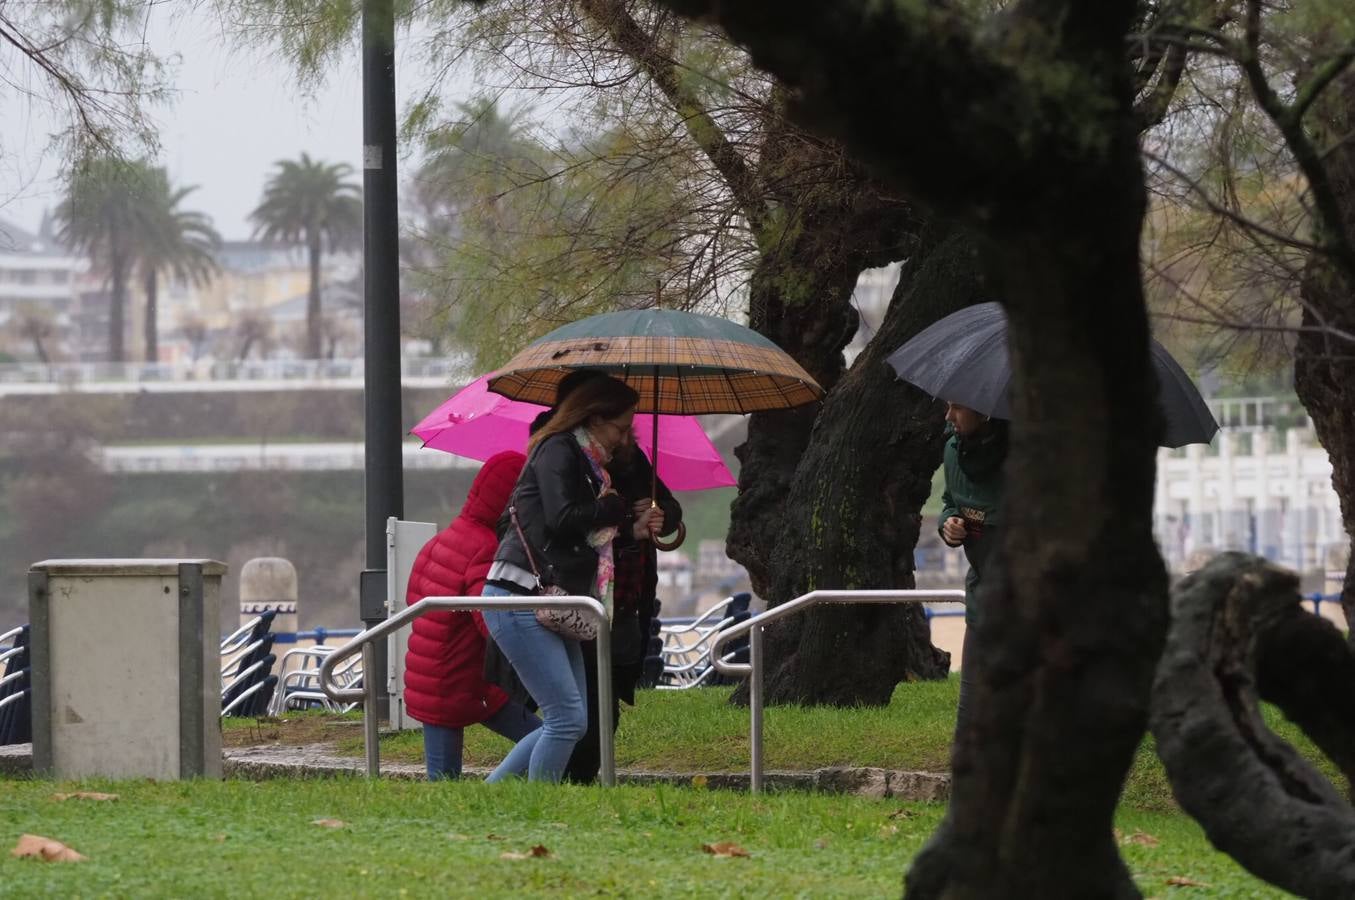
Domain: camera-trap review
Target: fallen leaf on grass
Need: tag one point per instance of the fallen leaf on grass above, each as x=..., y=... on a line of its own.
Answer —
x=903, y=814
x=220, y=838
x=457, y=837
x=330, y=823
x=888, y=830
x=700, y=781
x=85, y=795
x=537, y=852
x=725, y=848
x=1142, y=838
x=35, y=846
x=821, y=844
x=493, y=837
x=1182, y=881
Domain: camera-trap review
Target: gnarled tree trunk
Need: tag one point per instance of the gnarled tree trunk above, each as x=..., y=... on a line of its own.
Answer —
x=1239, y=635
x=852, y=514
x=1324, y=366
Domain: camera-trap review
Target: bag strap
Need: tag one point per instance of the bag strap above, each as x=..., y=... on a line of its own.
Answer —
x=513, y=509
x=526, y=547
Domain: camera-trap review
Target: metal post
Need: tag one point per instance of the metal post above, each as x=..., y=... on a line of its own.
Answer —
x=606, y=738
x=755, y=708
x=370, y=717
x=381, y=302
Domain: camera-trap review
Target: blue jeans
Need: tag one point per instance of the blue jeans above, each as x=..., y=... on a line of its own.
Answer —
x=551, y=668
x=442, y=745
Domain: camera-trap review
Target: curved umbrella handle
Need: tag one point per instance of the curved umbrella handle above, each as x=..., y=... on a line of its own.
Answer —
x=674, y=543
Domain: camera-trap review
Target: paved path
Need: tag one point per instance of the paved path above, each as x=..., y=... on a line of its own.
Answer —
x=320, y=761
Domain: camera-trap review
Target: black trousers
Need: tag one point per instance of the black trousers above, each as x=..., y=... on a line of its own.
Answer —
x=586, y=761
x=969, y=665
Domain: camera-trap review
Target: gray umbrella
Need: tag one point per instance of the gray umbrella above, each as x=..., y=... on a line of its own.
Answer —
x=963, y=358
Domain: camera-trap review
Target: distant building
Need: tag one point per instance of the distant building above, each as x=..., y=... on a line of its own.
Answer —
x=37, y=280
x=713, y=565
x=675, y=575
x=270, y=284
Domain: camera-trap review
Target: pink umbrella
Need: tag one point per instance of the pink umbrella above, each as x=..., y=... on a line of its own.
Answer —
x=476, y=424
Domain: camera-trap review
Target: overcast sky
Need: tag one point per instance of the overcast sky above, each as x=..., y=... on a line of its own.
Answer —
x=234, y=115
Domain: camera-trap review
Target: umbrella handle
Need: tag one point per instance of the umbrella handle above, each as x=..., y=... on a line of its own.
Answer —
x=674, y=543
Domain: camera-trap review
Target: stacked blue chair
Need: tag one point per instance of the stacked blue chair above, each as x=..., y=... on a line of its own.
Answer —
x=16, y=688
x=248, y=678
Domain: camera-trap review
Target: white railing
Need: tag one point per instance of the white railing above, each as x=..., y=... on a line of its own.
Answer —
x=297, y=457
x=752, y=669
x=77, y=375
x=365, y=643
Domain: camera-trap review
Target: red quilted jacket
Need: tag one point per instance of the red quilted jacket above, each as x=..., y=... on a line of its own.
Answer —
x=443, y=683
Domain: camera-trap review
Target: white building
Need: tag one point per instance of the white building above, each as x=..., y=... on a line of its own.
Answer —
x=1263, y=491
x=37, y=279
x=675, y=575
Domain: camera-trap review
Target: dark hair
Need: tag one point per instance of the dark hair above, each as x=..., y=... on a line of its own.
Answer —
x=595, y=398
x=575, y=379
x=567, y=386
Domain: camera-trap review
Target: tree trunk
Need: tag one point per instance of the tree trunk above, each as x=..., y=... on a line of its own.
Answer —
x=314, y=337
x=1075, y=616
x=151, y=327
x=117, y=300
x=813, y=329
x=1239, y=634
x=983, y=122
x=852, y=516
x=1324, y=367
x=36, y=334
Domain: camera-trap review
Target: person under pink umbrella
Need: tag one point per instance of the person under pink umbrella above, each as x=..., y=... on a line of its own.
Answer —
x=476, y=424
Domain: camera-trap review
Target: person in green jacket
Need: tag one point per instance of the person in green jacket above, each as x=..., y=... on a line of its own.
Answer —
x=971, y=509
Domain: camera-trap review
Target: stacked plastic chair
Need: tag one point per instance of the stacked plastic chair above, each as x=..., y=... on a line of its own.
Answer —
x=686, y=646
x=16, y=688
x=247, y=679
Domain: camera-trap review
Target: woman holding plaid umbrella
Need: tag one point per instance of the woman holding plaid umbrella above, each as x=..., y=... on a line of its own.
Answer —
x=566, y=517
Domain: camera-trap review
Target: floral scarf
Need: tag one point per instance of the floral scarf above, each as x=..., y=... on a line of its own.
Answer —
x=600, y=539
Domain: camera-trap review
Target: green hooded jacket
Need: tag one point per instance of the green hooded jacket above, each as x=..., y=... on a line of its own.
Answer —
x=973, y=491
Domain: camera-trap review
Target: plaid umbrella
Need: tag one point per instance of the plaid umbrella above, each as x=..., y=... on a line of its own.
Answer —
x=680, y=363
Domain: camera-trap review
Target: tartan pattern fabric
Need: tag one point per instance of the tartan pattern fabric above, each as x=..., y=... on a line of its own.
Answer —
x=696, y=376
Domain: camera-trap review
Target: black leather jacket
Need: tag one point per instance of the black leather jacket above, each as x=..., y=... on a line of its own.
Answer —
x=557, y=505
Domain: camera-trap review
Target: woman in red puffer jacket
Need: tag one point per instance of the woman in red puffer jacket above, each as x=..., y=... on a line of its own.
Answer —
x=443, y=685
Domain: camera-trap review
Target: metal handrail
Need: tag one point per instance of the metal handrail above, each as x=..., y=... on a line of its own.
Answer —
x=753, y=668
x=363, y=643
x=694, y=682
x=12, y=633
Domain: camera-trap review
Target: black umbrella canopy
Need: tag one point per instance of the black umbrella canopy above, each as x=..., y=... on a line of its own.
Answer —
x=963, y=358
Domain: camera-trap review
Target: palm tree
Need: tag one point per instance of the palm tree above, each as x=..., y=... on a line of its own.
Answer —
x=171, y=240
x=310, y=203
x=99, y=217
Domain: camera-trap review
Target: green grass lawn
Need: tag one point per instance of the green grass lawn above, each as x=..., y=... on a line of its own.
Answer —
x=698, y=731
x=414, y=839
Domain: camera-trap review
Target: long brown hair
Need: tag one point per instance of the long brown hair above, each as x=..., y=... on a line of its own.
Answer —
x=601, y=398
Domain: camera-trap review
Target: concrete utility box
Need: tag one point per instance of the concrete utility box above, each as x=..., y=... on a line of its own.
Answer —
x=126, y=667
